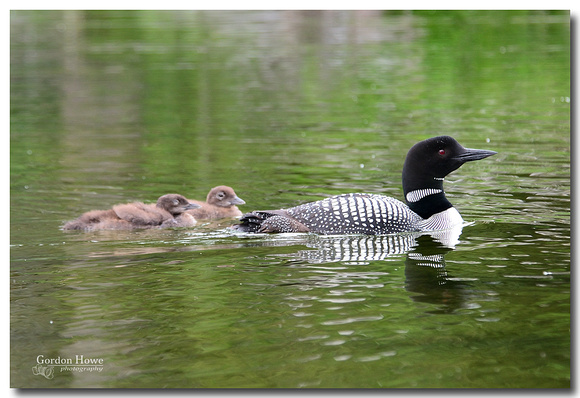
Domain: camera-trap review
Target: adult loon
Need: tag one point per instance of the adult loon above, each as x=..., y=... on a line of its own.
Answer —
x=220, y=203
x=169, y=211
x=427, y=209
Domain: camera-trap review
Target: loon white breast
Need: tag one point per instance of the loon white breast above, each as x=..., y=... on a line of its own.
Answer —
x=427, y=209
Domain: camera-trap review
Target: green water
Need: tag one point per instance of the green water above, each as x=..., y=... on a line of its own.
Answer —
x=288, y=107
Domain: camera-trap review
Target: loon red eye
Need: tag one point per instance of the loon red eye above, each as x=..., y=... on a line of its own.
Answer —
x=441, y=151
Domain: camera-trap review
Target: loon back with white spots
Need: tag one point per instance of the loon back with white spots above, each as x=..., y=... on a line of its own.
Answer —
x=427, y=209
x=355, y=213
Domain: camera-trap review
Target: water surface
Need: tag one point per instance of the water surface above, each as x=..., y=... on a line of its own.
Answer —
x=289, y=107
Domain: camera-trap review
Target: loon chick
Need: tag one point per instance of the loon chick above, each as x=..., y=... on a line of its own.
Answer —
x=220, y=203
x=169, y=211
x=427, y=208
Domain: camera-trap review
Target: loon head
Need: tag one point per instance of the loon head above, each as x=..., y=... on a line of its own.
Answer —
x=175, y=204
x=428, y=162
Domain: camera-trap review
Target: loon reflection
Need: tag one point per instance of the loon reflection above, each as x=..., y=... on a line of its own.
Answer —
x=360, y=249
x=425, y=275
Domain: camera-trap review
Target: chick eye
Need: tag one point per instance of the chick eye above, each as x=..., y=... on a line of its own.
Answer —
x=441, y=152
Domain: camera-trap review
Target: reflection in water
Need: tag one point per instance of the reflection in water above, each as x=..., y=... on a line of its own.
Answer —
x=360, y=249
x=426, y=275
x=353, y=250
x=357, y=249
x=425, y=271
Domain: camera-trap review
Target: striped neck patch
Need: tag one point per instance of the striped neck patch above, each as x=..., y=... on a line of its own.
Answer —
x=415, y=196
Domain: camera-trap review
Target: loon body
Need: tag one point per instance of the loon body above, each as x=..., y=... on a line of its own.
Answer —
x=427, y=209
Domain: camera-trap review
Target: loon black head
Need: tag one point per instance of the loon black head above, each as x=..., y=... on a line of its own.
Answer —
x=427, y=164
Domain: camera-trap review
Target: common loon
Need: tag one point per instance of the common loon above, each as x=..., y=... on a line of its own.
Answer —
x=427, y=208
x=221, y=203
x=169, y=211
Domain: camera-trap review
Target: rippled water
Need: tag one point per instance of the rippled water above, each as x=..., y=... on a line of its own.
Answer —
x=289, y=107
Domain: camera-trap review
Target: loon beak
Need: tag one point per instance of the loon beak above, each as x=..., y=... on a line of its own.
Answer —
x=237, y=201
x=192, y=206
x=473, y=154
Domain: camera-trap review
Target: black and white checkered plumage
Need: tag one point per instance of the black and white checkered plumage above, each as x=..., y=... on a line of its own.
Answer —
x=427, y=208
x=353, y=213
